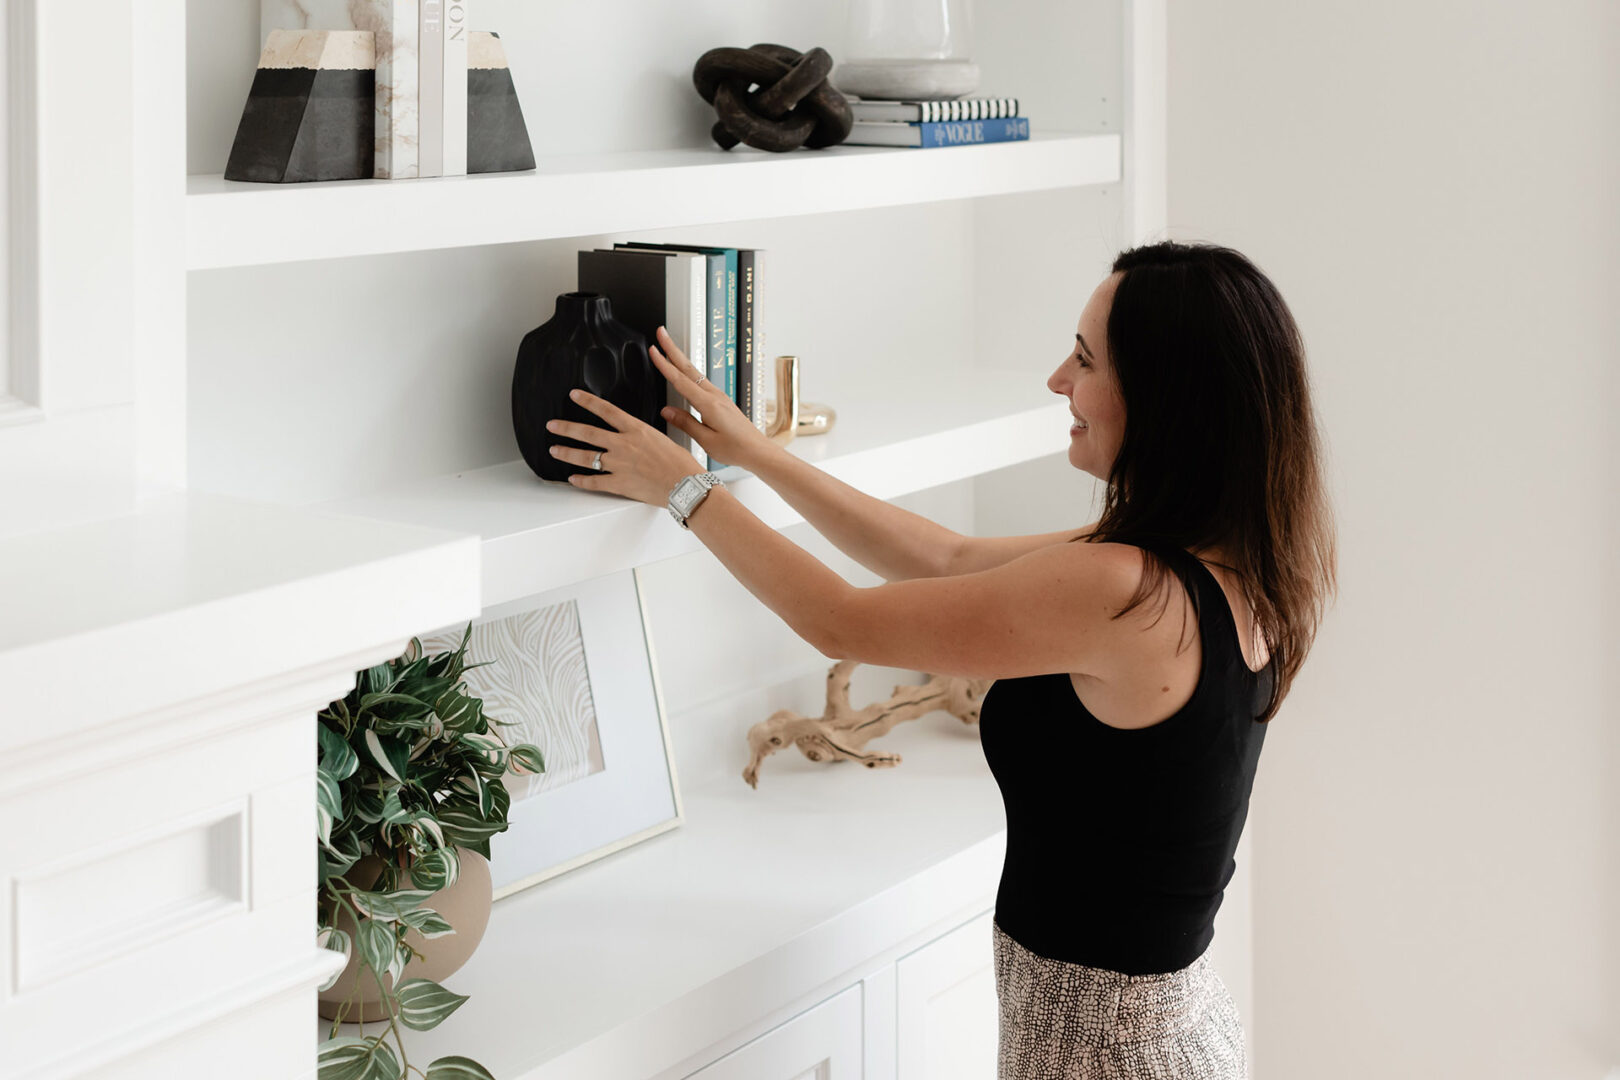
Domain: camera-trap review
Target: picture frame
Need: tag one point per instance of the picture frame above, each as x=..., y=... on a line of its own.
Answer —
x=575, y=669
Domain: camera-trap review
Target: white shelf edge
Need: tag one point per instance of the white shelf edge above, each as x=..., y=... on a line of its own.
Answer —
x=243, y=224
x=609, y=534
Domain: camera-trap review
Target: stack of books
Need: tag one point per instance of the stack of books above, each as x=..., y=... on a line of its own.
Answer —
x=928, y=124
x=708, y=298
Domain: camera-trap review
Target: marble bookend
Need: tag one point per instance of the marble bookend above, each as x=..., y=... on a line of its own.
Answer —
x=310, y=112
x=394, y=25
x=497, y=138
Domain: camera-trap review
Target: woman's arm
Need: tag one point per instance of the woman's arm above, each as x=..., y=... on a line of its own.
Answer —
x=1047, y=610
x=894, y=543
x=884, y=538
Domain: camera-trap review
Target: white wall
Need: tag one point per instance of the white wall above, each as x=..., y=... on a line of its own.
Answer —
x=1436, y=825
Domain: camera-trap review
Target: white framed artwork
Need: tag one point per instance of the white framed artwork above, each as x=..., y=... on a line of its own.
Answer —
x=574, y=671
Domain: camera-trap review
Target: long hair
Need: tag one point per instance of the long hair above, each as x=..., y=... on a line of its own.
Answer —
x=1220, y=445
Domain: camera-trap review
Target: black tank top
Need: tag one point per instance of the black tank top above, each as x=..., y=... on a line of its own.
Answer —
x=1120, y=842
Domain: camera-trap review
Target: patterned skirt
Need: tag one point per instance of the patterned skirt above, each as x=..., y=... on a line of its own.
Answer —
x=1066, y=1021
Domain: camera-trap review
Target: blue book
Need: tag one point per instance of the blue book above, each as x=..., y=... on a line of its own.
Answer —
x=945, y=133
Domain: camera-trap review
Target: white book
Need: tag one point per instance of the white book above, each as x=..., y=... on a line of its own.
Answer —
x=455, y=87
x=430, y=89
x=686, y=303
x=396, y=89
x=764, y=364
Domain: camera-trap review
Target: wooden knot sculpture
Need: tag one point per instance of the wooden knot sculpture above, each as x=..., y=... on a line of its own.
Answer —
x=793, y=106
x=840, y=732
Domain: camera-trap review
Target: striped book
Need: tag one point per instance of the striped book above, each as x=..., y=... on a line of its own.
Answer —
x=929, y=112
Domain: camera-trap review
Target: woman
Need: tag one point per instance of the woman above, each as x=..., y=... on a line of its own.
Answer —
x=1124, y=744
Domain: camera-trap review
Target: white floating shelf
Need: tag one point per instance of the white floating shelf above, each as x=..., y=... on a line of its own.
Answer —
x=656, y=952
x=197, y=594
x=242, y=224
x=893, y=435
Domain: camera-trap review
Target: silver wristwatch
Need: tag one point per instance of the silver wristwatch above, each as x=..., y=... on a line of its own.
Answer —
x=686, y=495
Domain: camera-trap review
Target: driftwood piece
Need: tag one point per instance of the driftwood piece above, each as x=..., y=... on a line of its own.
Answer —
x=840, y=733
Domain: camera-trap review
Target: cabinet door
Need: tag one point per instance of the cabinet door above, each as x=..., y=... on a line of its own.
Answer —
x=947, y=1016
x=823, y=1043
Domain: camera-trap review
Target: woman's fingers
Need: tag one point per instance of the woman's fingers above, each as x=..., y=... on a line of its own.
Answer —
x=621, y=420
x=585, y=433
x=671, y=352
x=575, y=456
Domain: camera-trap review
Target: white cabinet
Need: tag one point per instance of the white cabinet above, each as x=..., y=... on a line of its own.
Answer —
x=823, y=1043
x=946, y=1013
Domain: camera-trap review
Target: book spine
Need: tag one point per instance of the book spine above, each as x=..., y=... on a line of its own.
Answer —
x=454, y=76
x=762, y=364
x=430, y=89
x=396, y=90
x=695, y=341
x=731, y=322
x=1011, y=129
x=934, y=112
x=715, y=293
x=745, y=332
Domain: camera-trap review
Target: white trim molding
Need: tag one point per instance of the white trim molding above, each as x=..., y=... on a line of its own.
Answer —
x=1147, y=201
x=19, y=346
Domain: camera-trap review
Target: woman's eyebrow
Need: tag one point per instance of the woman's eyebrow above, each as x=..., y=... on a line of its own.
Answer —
x=1084, y=348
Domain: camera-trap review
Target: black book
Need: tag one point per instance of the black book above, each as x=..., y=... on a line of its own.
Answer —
x=649, y=289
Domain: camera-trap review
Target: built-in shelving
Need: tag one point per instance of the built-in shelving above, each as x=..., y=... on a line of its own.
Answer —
x=242, y=224
x=685, y=938
x=894, y=435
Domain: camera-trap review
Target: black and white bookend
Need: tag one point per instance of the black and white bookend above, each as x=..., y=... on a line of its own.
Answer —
x=310, y=113
x=497, y=138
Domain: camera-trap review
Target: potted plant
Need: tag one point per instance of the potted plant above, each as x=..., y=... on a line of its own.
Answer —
x=408, y=794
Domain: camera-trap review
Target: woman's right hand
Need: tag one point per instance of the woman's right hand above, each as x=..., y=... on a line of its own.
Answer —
x=725, y=432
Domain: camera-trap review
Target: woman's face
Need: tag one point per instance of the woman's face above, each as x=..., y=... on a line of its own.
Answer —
x=1086, y=378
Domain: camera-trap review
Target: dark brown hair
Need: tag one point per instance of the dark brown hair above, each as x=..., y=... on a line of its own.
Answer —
x=1220, y=447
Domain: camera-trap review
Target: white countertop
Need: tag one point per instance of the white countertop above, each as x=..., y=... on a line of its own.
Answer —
x=627, y=965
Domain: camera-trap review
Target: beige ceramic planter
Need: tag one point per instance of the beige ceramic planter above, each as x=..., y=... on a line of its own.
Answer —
x=464, y=905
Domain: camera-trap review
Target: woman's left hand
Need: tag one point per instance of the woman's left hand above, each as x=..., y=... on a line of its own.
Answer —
x=638, y=461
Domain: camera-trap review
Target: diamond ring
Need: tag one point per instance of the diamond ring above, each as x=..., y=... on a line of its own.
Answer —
x=597, y=464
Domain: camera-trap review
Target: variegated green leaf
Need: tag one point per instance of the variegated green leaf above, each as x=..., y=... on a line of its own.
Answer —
x=456, y=1067
x=480, y=788
x=382, y=753
x=377, y=944
x=427, y=922
x=367, y=805
x=460, y=827
x=525, y=757
x=337, y=756
x=328, y=803
x=393, y=809
x=349, y=1058
x=376, y=679
x=436, y=870
x=423, y=1003
x=432, y=829
x=330, y=937
x=388, y=907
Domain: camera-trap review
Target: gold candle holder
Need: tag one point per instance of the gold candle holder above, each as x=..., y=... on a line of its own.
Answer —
x=787, y=417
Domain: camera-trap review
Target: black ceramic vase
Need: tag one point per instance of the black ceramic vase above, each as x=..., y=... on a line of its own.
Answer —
x=582, y=345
